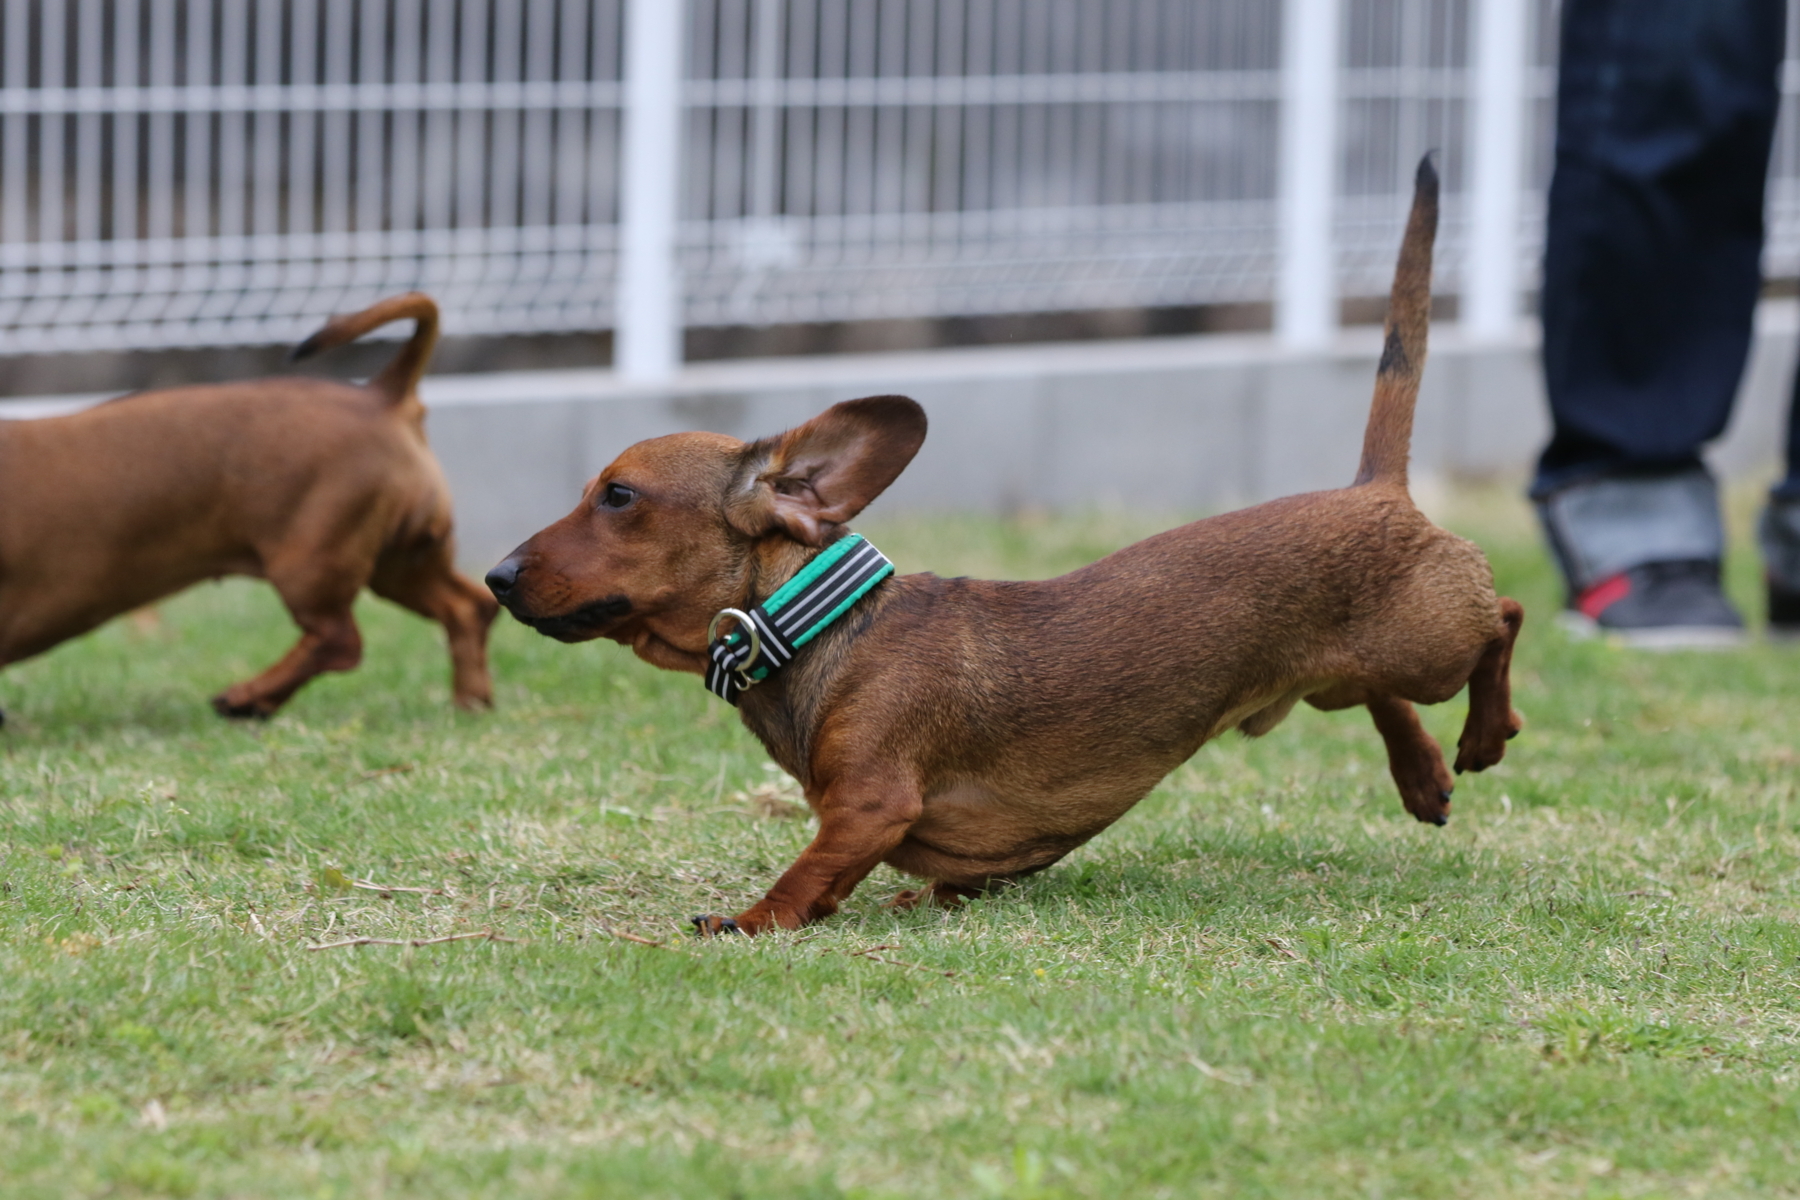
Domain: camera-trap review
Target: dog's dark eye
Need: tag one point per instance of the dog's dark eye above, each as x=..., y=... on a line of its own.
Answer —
x=617, y=495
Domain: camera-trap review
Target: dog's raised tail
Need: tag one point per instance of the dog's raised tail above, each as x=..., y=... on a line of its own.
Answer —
x=1388, y=440
x=401, y=375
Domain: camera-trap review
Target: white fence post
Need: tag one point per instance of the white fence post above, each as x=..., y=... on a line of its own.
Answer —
x=1306, y=288
x=647, y=318
x=1497, y=136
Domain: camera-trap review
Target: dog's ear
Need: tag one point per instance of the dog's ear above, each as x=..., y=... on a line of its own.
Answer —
x=815, y=477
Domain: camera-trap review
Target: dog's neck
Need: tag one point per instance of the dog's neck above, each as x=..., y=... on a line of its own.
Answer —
x=784, y=710
x=774, y=561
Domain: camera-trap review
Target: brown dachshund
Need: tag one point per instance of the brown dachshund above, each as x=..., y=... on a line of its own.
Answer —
x=322, y=488
x=970, y=732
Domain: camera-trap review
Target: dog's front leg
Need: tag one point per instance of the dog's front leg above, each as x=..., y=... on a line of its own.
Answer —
x=860, y=823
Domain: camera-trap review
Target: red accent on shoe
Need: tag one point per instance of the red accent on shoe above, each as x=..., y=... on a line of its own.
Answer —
x=1603, y=595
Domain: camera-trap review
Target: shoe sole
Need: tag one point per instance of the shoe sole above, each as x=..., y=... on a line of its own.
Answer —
x=1661, y=637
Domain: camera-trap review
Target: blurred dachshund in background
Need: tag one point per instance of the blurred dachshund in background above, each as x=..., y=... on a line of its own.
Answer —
x=320, y=487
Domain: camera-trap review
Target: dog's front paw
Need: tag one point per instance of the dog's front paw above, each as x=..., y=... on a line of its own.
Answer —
x=708, y=925
x=241, y=710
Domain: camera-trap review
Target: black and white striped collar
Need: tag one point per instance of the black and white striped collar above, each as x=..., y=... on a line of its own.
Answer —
x=767, y=636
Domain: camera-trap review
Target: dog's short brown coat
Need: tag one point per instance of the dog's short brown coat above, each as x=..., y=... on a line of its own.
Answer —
x=320, y=487
x=968, y=731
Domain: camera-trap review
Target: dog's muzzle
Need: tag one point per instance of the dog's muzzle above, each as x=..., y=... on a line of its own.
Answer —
x=589, y=621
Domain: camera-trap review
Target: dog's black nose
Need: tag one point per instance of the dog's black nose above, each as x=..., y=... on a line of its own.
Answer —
x=501, y=579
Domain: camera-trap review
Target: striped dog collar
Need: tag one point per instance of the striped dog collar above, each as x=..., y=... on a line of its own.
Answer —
x=767, y=636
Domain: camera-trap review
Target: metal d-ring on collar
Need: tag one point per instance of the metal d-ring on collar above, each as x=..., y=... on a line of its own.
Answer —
x=749, y=627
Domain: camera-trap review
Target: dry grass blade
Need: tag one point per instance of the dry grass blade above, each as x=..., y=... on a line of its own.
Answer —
x=1212, y=1072
x=386, y=890
x=632, y=937
x=873, y=956
x=874, y=949
x=486, y=935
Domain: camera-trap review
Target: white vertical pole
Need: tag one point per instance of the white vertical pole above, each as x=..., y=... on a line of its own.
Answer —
x=1497, y=134
x=89, y=72
x=1306, y=291
x=765, y=126
x=52, y=187
x=647, y=325
x=15, y=72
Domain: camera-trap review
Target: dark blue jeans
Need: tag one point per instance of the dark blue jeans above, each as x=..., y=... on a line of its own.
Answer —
x=1665, y=113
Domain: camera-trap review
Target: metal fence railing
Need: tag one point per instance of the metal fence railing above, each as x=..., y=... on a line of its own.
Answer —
x=193, y=172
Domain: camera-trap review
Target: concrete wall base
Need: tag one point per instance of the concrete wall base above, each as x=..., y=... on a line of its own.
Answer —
x=1189, y=424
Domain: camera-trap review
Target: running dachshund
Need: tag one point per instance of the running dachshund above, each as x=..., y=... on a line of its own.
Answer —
x=971, y=732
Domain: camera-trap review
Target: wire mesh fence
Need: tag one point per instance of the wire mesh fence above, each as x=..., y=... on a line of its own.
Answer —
x=977, y=156
x=203, y=172
x=194, y=172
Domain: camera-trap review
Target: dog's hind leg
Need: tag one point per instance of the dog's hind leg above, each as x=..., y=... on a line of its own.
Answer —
x=1492, y=721
x=318, y=595
x=1414, y=759
x=425, y=582
x=935, y=895
x=329, y=641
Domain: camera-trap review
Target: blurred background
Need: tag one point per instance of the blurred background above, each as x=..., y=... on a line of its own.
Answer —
x=1126, y=251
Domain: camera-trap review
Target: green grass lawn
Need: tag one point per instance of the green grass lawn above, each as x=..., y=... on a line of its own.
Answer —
x=1267, y=980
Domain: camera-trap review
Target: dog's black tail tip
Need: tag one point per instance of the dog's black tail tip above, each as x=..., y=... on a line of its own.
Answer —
x=305, y=349
x=1426, y=179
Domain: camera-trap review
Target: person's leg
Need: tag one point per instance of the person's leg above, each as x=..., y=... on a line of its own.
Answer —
x=1666, y=110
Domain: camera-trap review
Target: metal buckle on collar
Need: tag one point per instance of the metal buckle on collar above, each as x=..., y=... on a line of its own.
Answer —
x=749, y=627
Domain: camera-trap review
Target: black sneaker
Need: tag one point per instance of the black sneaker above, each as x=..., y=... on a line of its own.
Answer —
x=1778, y=533
x=1784, y=613
x=1659, y=606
